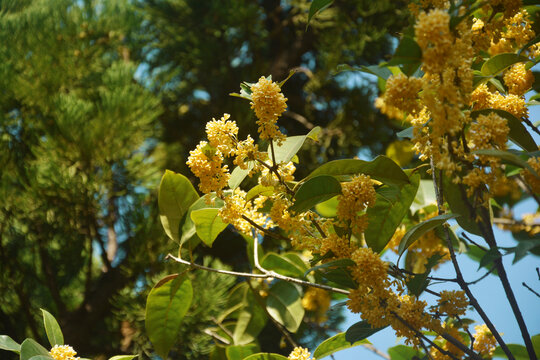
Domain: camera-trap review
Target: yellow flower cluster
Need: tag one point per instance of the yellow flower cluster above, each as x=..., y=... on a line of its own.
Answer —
x=453, y=303
x=484, y=341
x=391, y=111
x=456, y=352
x=357, y=195
x=206, y=163
x=63, y=352
x=518, y=79
x=433, y=34
x=529, y=223
x=532, y=180
x=402, y=93
x=269, y=103
x=299, y=353
x=222, y=134
x=236, y=207
x=318, y=301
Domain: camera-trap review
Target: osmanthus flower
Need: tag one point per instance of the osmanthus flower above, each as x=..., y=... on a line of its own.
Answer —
x=532, y=179
x=433, y=34
x=357, y=195
x=402, y=93
x=300, y=353
x=518, y=79
x=318, y=301
x=269, y=103
x=63, y=352
x=452, y=303
x=236, y=206
x=222, y=134
x=456, y=352
x=206, y=163
x=484, y=341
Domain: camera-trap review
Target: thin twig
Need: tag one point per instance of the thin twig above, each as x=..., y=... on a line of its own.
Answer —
x=265, y=275
x=223, y=328
x=216, y=336
x=473, y=242
x=531, y=125
x=482, y=277
x=376, y=351
x=530, y=289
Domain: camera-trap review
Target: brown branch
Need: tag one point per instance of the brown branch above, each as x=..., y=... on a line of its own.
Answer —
x=530, y=289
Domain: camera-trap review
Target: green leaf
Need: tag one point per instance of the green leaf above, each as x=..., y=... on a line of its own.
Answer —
x=259, y=190
x=381, y=168
x=360, y=331
x=123, y=357
x=238, y=175
x=30, y=348
x=316, y=7
x=327, y=208
x=418, y=283
x=489, y=257
x=42, y=357
x=335, y=344
x=54, y=333
x=290, y=146
x=265, y=356
x=340, y=263
x=535, y=339
x=381, y=72
x=176, y=194
x=250, y=321
x=188, y=228
x=507, y=157
x=7, y=343
x=283, y=265
x=402, y=352
x=240, y=352
x=518, y=133
x=407, y=52
x=420, y=229
x=425, y=196
x=500, y=62
x=453, y=196
x=285, y=306
x=315, y=190
x=407, y=133
x=208, y=224
x=385, y=216
x=340, y=277
x=519, y=352
x=166, y=306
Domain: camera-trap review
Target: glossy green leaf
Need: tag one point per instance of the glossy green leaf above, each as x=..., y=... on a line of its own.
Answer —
x=7, y=343
x=54, y=333
x=283, y=265
x=327, y=208
x=240, y=352
x=259, y=190
x=238, y=175
x=285, y=306
x=420, y=229
x=166, y=306
x=507, y=158
x=250, y=320
x=315, y=190
x=30, y=348
x=286, y=151
x=402, y=352
x=266, y=356
x=334, y=264
x=360, y=331
x=407, y=133
x=381, y=72
x=385, y=216
x=454, y=197
x=187, y=226
x=416, y=284
x=42, y=357
x=123, y=357
x=519, y=352
x=500, y=62
x=340, y=277
x=208, y=224
x=176, y=194
x=425, y=196
x=518, y=134
x=535, y=339
x=335, y=344
x=407, y=52
x=318, y=6
x=381, y=168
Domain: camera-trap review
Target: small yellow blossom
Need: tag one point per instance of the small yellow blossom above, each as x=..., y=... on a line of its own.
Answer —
x=222, y=134
x=532, y=179
x=63, y=352
x=433, y=34
x=357, y=196
x=402, y=93
x=484, y=341
x=268, y=103
x=207, y=164
x=453, y=303
x=518, y=79
x=299, y=353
